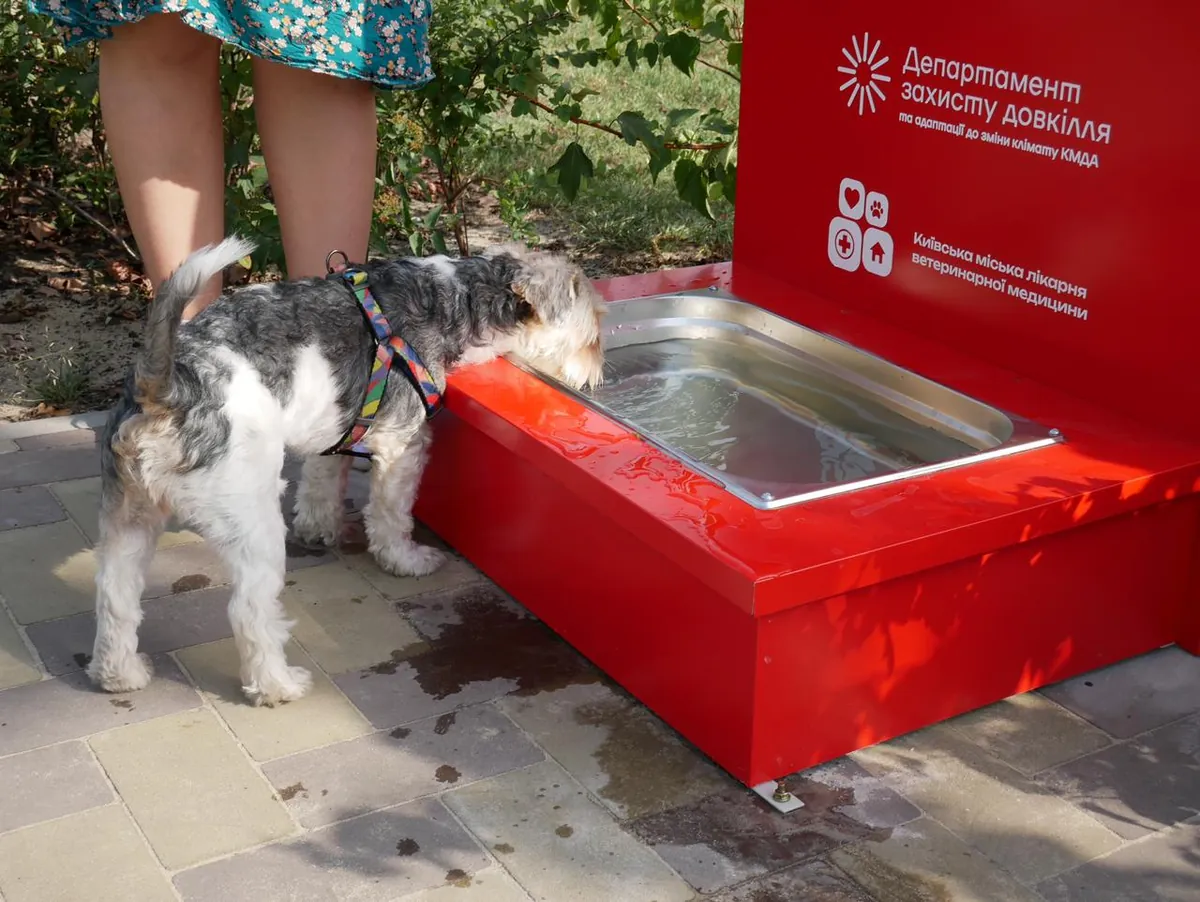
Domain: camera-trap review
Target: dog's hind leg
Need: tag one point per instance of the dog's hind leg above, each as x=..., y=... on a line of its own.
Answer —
x=396, y=468
x=319, y=497
x=130, y=524
x=236, y=505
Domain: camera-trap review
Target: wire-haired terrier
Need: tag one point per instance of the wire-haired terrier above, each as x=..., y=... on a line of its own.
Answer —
x=212, y=404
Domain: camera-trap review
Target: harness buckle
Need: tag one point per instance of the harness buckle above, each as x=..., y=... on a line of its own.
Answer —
x=330, y=268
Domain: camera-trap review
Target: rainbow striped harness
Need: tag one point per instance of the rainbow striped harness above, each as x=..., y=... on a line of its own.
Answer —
x=389, y=348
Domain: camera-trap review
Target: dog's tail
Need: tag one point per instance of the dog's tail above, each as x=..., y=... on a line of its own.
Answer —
x=155, y=364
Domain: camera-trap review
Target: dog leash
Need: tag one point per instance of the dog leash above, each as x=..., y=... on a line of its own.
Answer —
x=389, y=348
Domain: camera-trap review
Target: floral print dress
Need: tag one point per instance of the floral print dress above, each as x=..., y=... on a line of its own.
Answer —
x=385, y=42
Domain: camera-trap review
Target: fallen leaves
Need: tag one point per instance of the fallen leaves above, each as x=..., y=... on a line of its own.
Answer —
x=39, y=229
x=120, y=271
x=48, y=410
x=66, y=283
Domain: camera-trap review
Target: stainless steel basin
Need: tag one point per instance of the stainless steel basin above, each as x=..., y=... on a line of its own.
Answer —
x=779, y=414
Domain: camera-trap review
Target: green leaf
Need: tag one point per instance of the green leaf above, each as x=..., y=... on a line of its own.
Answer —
x=258, y=172
x=568, y=111
x=734, y=55
x=439, y=243
x=691, y=183
x=414, y=243
x=572, y=167
x=718, y=28
x=610, y=17
x=431, y=217
x=678, y=117
x=683, y=49
x=650, y=52
x=729, y=182
x=522, y=107
x=689, y=12
x=659, y=160
x=635, y=127
x=239, y=153
x=633, y=53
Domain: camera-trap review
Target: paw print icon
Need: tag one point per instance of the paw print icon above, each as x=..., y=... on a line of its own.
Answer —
x=852, y=247
x=877, y=210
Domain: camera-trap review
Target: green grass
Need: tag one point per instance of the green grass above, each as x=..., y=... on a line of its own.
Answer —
x=621, y=208
x=63, y=385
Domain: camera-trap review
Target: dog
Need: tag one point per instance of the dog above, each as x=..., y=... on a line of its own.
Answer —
x=211, y=405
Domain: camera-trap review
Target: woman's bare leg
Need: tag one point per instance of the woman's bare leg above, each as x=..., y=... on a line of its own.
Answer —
x=161, y=102
x=318, y=133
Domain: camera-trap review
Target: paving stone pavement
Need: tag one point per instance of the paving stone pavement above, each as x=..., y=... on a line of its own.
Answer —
x=455, y=750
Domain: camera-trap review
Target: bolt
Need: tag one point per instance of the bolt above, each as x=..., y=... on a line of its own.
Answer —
x=781, y=795
x=712, y=288
x=1054, y=433
x=767, y=496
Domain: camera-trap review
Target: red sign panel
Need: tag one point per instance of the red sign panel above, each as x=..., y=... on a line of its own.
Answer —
x=1018, y=180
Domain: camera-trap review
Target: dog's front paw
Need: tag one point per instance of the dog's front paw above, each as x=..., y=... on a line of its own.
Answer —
x=128, y=674
x=274, y=689
x=316, y=531
x=410, y=559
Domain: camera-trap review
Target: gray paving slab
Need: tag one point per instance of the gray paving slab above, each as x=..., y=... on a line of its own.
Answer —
x=22, y=468
x=221, y=806
x=16, y=663
x=734, y=836
x=559, y=844
x=73, y=438
x=1162, y=868
x=1017, y=823
x=817, y=881
x=351, y=778
x=922, y=861
x=480, y=649
x=28, y=506
x=1139, y=786
x=95, y=855
x=69, y=707
x=1030, y=732
x=1135, y=695
x=48, y=783
x=378, y=858
x=626, y=757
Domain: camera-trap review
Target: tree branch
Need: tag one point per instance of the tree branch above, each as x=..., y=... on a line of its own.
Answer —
x=600, y=126
x=45, y=190
x=721, y=69
x=641, y=15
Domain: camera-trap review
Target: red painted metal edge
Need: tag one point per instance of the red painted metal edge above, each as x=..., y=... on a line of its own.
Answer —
x=767, y=561
x=866, y=666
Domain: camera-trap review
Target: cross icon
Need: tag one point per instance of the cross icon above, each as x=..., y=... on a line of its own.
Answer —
x=844, y=243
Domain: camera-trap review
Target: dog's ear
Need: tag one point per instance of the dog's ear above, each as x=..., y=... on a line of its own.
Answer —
x=582, y=285
x=526, y=311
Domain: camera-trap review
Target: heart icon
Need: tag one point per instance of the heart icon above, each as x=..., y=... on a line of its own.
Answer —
x=852, y=196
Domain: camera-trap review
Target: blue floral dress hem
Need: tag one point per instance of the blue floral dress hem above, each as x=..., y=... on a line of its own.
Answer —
x=385, y=42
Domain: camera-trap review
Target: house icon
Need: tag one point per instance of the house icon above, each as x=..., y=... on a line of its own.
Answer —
x=877, y=252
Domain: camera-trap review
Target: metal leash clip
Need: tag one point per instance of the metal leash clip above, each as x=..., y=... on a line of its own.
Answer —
x=329, y=267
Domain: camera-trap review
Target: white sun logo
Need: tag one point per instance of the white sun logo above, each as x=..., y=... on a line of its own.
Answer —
x=863, y=74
